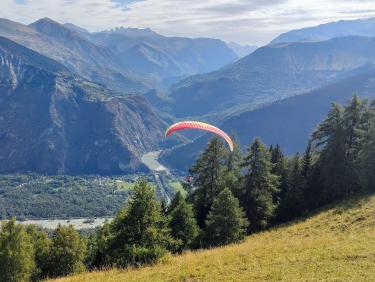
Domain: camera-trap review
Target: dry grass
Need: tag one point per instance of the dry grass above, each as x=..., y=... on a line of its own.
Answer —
x=334, y=245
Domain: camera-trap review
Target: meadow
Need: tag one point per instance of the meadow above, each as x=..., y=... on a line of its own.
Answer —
x=334, y=244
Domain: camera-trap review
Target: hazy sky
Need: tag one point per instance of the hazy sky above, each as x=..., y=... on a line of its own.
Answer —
x=244, y=21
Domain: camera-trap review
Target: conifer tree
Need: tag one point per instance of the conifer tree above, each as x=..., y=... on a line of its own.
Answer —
x=367, y=152
x=232, y=175
x=68, y=251
x=260, y=186
x=329, y=139
x=307, y=173
x=209, y=177
x=97, y=247
x=16, y=253
x=42, y=246
x=293, y=203
x=280, y=169
x=164, y=206
x=226, y=221
x=353, y=131
x=140, y=231
x=183, y=224
x=339, y=139
x=177, y=199
x=307, y=162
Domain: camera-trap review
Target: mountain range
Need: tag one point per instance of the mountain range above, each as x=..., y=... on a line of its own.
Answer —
x=74, y=101
x=269, y=74
x=162, y=59
x=280, y=90
x=53, y=121
x=288, y=122
x=359, y=27
x=125, y=60
x=72, y=50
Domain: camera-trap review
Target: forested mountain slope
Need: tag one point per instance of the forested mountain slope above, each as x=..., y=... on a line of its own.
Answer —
x=270, y=73
x=53, y=121
x=288, y=122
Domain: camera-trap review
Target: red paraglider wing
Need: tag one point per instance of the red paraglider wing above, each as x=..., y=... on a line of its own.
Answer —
x=199, y=125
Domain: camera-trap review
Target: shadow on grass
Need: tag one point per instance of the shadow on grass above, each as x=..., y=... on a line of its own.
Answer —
x=338, y=207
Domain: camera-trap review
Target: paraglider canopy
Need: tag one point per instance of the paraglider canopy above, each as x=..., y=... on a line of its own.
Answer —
x=202, y=126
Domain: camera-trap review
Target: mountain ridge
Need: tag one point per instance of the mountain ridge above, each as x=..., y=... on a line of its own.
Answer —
x=268, y=74
x=55, y=122
x=274, y=123
x=358, y=27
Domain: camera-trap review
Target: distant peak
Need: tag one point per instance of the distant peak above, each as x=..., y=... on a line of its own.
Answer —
x=131, y=31
x=52, y=28
x=45, y=20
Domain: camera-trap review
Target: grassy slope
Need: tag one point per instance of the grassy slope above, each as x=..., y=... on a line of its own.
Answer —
x=337, y=244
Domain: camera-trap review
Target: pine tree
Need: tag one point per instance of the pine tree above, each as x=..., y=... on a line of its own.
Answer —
x=293, y=203
x=226, y=221
x=260, y=186
x=68, y=251
x=307, y=173
x=307, y=162
x=209, y=177
x=97, y=247
x=140, y=231
x=42, y=246
x=329, y=139
x=339, y=139
x=352, y=123
x=232, y=175
x=16, y=253
x=177, y=199
x=164, y=206
x=280, y=169
x=367, y=152
x=183, y=225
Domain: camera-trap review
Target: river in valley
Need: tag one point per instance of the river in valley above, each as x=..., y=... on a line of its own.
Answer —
x=150, y=159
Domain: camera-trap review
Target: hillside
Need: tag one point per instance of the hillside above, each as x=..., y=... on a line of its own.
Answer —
x=336, y=244
x=275, y=123
x=270, y=73
x=53, y=121
x=361, y=27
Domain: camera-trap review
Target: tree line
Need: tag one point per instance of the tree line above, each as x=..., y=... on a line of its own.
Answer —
x=232, y=194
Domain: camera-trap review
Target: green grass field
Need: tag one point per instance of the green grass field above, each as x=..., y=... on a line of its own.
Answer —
x=337, y=244
x=125, y=185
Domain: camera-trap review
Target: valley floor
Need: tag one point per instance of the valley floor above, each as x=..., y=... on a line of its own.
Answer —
x=337, y=244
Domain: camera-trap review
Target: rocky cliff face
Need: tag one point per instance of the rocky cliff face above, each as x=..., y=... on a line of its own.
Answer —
x=52, y=121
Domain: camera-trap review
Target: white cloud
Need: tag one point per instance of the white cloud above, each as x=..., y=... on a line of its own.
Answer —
x=244, y=21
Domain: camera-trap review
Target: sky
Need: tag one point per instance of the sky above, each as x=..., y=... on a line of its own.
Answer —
x=253, y=22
